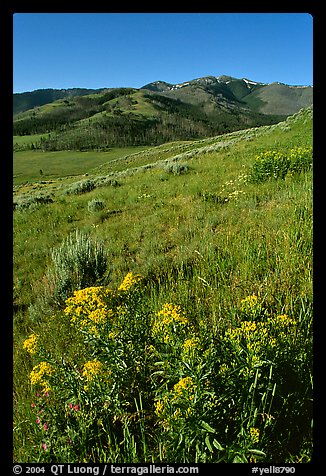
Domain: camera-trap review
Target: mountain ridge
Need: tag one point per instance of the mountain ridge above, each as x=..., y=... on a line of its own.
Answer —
x=21, y=99
x=82, y=119
x=266, y=98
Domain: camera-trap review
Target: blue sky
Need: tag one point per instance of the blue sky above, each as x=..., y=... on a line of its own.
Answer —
x=95, y=50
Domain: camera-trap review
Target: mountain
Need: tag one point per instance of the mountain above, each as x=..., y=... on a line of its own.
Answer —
x=156, y=113
x=273, y=98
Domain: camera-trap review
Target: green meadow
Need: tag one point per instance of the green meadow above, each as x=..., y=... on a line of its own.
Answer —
x=27, y=164
x=163, y=303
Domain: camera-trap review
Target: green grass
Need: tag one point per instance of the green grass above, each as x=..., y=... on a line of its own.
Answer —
x=27, y=164
x=26, y=140
x=204, y=254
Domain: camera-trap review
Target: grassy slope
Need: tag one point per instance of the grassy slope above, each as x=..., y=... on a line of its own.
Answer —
x=279, y=99
x=201, y=255
x=209, y=171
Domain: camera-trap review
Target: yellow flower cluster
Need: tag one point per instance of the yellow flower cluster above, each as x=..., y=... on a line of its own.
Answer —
x=160, y=406
x=31, y=344
x=184, y=388
x=257, y=337
x=249, y=333
x=284, y=321
x=129, y=281
x=270, y=155
x=190, y=345
x=169, y=321
x=91, y=369
x=249, y=301
x=39, y=373
x=254, y=338
x=301, y=159
x=178, y=403
x=282, y=326
x=88, y=308
x=254, y=434
x=251, y=306
x=280, y=164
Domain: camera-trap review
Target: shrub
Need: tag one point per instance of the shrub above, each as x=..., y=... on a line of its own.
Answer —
x=95, y=205
x=275, y=164
x=176, y=168
x=268, y=165
x=78, y=262
x=32, y=201
x=80, y=187
x=301, y=160
x=104, y=181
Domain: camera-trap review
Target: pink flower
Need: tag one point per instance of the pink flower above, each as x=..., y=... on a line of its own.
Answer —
x=70, y=405
x=45, y=426
x=44, y=446
x=77, y=407
x=38, y=421
x=41, y=411
x=32, y=405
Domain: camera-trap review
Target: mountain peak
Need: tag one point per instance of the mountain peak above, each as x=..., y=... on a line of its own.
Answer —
x=158, y=86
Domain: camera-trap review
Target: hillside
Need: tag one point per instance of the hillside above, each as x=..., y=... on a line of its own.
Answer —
x=187, y=333
x=157, y=113
x=28, y=100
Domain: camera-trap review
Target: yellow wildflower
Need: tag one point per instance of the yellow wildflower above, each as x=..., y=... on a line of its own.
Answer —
x=168, y=322
x=160, y=406
x=272, y=342
x=249, y=301
x=282, y=327
x=190, y=345
x=129, y=280
x=94, y=331
x=30, y=344
x=184, y=388
x=284, y=320
x=171, y=313
x=87, y=299
x=91, y=369
x=254, y=434
x=98, y=316
x=88, y=308
x=112, y=335
x=39, y=373
x=247, y=327
x=252, y=336
x=251, y=306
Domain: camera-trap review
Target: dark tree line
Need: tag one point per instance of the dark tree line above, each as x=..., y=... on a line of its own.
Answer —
x=122, y=131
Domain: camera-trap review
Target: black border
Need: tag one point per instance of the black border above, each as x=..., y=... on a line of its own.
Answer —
x=7, y=11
